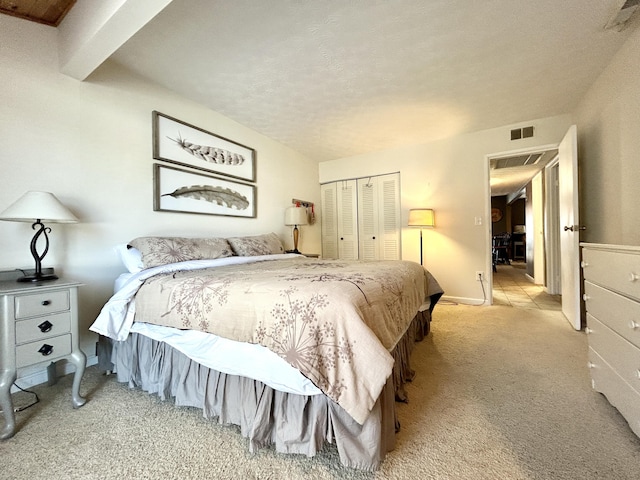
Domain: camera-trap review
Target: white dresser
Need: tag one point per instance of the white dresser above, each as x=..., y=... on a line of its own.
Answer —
x=612, y=299
x=38, y=325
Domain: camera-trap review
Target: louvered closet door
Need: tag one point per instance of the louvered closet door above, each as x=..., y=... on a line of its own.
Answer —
x=347, y=220
x=389, y=217
x=329, y=220
x=379, y=217
x=368, y=219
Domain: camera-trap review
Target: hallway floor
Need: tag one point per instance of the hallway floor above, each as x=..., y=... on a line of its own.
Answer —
x=511, y=287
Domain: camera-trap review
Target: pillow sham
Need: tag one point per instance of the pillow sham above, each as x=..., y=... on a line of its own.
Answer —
x=130, y=257
x=164, y=250
x=266, y=244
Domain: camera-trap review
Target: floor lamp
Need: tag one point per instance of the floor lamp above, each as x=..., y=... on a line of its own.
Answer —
x=421, y=218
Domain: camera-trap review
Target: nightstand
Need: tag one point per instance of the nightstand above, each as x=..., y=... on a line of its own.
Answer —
x=38, y=325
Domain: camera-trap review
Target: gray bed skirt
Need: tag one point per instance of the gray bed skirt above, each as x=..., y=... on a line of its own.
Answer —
x=293, y=424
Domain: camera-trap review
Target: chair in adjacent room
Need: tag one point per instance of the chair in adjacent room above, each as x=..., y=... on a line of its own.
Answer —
x=500, y=250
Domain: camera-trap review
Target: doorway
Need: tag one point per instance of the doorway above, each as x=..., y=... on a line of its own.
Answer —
x=517, y=188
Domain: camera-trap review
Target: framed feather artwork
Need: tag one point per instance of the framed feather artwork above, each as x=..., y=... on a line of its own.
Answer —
x=178, y=190
x=178, y=142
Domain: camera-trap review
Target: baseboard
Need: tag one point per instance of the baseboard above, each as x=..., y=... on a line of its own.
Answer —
x=31, y=379
x=464, y=300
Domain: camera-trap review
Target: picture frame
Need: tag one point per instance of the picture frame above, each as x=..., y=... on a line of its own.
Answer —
x=184, y=191
x=177, y=142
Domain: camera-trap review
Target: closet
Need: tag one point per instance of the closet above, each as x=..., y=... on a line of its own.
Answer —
x=361, y=218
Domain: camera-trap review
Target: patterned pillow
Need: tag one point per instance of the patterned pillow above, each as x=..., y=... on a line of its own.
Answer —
x=267, y=244
x=164, y=250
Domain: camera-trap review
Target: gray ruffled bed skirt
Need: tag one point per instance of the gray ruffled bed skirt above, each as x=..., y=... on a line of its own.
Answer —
x=293, y=424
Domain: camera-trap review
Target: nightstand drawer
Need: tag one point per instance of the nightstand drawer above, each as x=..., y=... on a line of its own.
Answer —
x=39, y=328
x=42, y=303
x=28, y=354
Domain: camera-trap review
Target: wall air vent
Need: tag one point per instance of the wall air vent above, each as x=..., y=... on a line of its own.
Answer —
x=622, y=17
x=524, y=132
x=516, y=161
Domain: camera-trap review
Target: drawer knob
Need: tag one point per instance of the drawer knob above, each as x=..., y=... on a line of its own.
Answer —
x=584, y=264
x=588, y=330
x=46, y=302
x=46, y=349
x=586, y=297
x=633, y=277
x=633, y=324
x=590, y=365
x=638, y=374
x=45, y=326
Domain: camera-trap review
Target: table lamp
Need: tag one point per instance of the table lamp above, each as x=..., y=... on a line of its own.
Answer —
x=38, y=207
x=294, y=216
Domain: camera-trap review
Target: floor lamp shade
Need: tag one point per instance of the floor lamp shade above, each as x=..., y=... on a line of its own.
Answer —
x=294, y=216
x=422, y=218
x=38, y=207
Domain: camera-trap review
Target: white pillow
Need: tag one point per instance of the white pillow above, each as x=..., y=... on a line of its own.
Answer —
x=130, y=257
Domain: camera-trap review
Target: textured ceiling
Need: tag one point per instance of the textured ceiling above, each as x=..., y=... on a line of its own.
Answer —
x=333, y=79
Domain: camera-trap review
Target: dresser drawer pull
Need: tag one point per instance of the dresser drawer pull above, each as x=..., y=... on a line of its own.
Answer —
x=590, y=365
x=45, y=303
x=584, y=264
x=588, y=330
x=634, y=325
x=46, y=350
x=638, y=374
x=586, y=297
x=633, y=277
x=45, y=326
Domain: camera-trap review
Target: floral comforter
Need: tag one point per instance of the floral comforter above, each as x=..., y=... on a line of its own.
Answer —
x=335, y=321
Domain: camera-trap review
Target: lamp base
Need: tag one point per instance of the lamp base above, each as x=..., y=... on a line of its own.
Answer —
x=42, y=277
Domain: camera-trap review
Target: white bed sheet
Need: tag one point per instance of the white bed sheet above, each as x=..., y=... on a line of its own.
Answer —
x=221, y=354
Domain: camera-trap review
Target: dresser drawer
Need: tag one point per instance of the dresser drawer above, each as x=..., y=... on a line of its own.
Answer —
x=618, y=392
x=36, y=329
x=622, y=356
x=617, y=312
x=619, y=271
x=28, y=354
x=42, y=303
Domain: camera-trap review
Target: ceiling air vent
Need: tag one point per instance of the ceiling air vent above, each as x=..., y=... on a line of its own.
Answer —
x=524, y=132
x=516, y=161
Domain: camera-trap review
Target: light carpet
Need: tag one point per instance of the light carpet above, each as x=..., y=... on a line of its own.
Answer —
x=500, y=393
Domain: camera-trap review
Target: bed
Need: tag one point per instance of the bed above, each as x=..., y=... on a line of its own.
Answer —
x=296, y=351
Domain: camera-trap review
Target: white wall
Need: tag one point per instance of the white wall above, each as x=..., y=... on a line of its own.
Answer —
x=608, y=120
x=451, y=176
x=90, y=143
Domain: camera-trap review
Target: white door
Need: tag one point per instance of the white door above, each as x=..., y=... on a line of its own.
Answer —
x=569, y=227
x=347, y=204
x=368, y=219
x=552, y=229
x=329, y=220
x=379, y=217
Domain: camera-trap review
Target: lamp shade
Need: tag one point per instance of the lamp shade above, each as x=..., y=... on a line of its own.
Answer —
x=42, y=206
x=295, y=216
x=421, y=217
